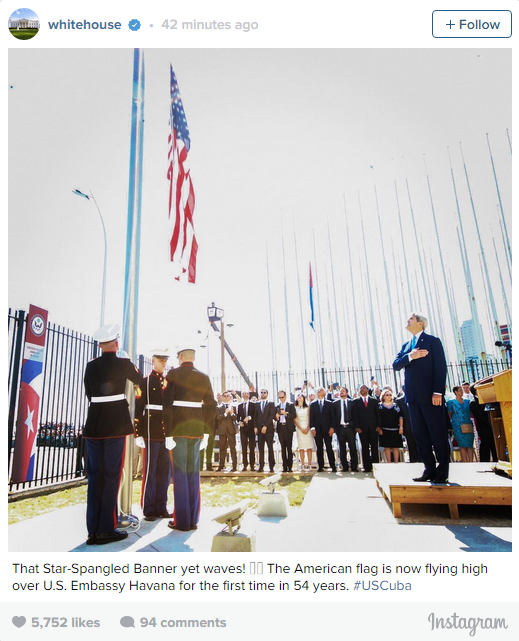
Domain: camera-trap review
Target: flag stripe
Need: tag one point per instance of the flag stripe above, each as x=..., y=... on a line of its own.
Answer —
x=183, y=245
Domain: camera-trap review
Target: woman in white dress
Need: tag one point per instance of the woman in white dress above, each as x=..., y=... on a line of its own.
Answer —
x=305, y=439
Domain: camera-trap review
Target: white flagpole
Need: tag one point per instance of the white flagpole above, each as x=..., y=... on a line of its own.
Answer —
x=368, y=283
x=468, y=275
x=272, y=334
x=133, y=242
x=483, y=258
x=352, y=287
x=339, y=348
x=388, y=285
x=403, y=246
x=455, y=326
x=303, y=342
x=499, y=201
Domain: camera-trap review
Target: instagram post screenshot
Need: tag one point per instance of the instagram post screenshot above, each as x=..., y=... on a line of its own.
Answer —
x=259, y=292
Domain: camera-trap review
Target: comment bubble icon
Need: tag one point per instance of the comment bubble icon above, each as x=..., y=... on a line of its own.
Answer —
x=127, y=622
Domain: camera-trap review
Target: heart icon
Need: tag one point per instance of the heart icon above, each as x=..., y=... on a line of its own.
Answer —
x=19, y=621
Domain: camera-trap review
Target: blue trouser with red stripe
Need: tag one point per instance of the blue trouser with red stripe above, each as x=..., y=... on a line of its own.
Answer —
x=105, y=457
x=186, y=482
x=156, y=474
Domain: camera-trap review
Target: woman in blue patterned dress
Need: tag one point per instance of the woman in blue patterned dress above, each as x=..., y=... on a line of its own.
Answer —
x=459, y=413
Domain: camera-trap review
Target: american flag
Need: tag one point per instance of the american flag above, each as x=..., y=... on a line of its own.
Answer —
x=183, y=245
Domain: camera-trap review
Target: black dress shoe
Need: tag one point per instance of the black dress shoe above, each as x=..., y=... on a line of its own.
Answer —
x=244, y=469
x=209, y=468
x=234, y=469
x=110, y=537
x=260, y=470
x=150, y=517
x=194, y=527
x=164, y=515
x=424, y=478
x=91, y=540
x=272, y=470
x=175, y=527
x=320, y=469
x=439, y=481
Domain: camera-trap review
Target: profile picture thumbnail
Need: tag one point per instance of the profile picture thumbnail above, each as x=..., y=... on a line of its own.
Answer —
x=24, y=24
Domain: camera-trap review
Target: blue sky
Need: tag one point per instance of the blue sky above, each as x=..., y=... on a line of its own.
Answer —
x=23, y=13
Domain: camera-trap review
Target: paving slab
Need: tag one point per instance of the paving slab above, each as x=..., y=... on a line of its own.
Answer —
x=340, y=513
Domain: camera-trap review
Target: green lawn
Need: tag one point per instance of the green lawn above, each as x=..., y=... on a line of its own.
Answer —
x=216, y=492
x=24, y=34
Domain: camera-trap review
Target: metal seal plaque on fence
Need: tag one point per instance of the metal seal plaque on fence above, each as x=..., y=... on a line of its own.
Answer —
x=27, y=422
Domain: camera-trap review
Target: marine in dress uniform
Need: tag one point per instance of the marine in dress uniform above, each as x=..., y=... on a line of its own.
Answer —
x=189, y=410
x=107, y=425
x=150, y=435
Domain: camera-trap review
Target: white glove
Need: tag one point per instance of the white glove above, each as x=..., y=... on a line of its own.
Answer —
x=139, y=442
x=204, y=442
x=170, y=443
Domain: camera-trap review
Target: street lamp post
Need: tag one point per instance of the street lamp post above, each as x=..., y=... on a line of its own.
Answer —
x=216, y=314
x=103, y=289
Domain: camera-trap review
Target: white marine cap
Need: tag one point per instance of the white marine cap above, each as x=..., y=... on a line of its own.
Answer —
x=107, y=333
x=185, y=347
x=159, y=353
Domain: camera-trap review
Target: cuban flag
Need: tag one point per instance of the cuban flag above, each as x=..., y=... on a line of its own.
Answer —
x=27, y=423
x=311, y=293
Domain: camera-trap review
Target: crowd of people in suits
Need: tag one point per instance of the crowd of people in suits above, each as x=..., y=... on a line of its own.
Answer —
x=306, y=421
x=368, y=421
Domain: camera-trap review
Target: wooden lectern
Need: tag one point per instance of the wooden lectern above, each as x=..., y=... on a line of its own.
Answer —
x=498, y=389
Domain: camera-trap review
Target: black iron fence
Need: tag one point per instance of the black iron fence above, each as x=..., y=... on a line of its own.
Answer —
x=60, y=452
x=352, y=377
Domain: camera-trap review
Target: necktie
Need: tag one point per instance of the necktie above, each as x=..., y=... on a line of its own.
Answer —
x=321, y=405
x=262, y=406
x=344, y=411
x=366, y=401
x=413, y=342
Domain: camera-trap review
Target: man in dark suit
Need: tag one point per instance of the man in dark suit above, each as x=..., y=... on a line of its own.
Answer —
x=226, y=429
x=321, y=424
x=245, y=414
x=425, y=368
x=343, y=425
x=107, y=425
x=285, y=415
x=189, y=410
x=264, y=428
x=366, y=421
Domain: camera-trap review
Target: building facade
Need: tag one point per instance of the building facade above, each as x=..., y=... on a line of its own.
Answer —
x=24, y=23
x=471, y=344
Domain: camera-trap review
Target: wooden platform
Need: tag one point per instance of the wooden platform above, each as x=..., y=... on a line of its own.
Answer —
x=469, y=484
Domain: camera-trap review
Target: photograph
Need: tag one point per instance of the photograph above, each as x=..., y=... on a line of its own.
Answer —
x=259, y=299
